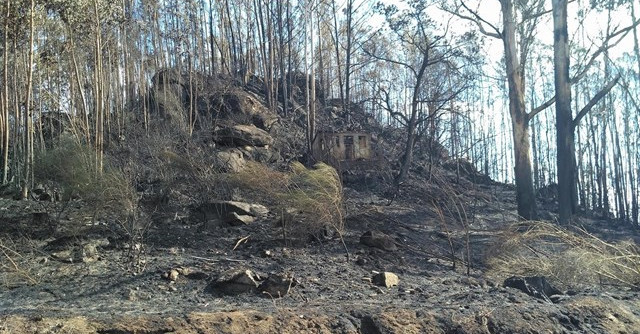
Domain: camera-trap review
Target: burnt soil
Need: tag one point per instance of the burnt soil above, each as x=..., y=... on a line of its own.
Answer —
x=124, y=291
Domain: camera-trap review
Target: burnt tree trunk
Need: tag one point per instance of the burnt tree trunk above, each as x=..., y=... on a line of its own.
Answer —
x=525, y=195
x=564, y=117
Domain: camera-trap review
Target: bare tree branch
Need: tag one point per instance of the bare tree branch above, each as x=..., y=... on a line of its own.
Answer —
x=540, y=108
x=622, y=33
x=477, y=19
x=604, y=91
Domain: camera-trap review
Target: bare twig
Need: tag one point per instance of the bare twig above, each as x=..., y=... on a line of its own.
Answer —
x=240, y=241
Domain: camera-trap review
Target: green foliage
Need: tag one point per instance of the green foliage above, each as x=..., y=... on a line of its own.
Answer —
x=72, y=167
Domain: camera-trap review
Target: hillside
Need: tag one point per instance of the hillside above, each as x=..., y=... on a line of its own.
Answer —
x=226, y=227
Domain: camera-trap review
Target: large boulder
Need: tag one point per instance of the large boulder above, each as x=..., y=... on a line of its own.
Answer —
x=243, y=108
x=169, y=97
x=243, y=135
x=231, y=160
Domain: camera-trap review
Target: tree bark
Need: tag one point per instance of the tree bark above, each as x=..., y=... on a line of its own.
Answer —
x=5, y=98
x=564, y=118
x=28, y=120
x=525, y=195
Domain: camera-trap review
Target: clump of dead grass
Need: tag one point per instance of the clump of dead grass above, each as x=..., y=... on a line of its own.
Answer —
x=570, y=258
x=314, y=194
x=72, y=166
x=15, y=269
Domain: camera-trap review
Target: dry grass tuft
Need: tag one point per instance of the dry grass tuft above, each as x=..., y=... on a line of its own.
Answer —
x=570, y=259
x=72, y=166
x=261, y=182
x=315, y=194
x=14, y=267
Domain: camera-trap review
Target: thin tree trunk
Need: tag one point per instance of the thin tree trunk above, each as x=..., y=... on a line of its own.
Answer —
x=98, y=94
x=312, y=87
x=28, y=120
x=281, y=56
x=336, y=43
x=347, y=65
x=5, y=99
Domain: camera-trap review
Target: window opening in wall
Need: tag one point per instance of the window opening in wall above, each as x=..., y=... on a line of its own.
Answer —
x=348, y=147
x=362, y=141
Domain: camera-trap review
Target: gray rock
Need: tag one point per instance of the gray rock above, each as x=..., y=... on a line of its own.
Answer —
x=276, y=286
x=235, y=219
x=262, y=154
x=379, y=240
x=536, y=286
x=230, y=212
x=230, y=160
x=243, y=135
x=241, y=107
x=386, y=279
x=236, y=281
x=241, y=208
x=87, y=253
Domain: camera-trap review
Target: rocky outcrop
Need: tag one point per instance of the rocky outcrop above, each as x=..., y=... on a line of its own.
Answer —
x=229, y=160
x=215, y=98
x=243, y=135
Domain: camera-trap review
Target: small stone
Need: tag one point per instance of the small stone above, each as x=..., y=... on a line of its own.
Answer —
x=132, y=295
x=386, y=279
x=184, y=271
x=173, y=275
x=63, y=256
x=88, y=253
